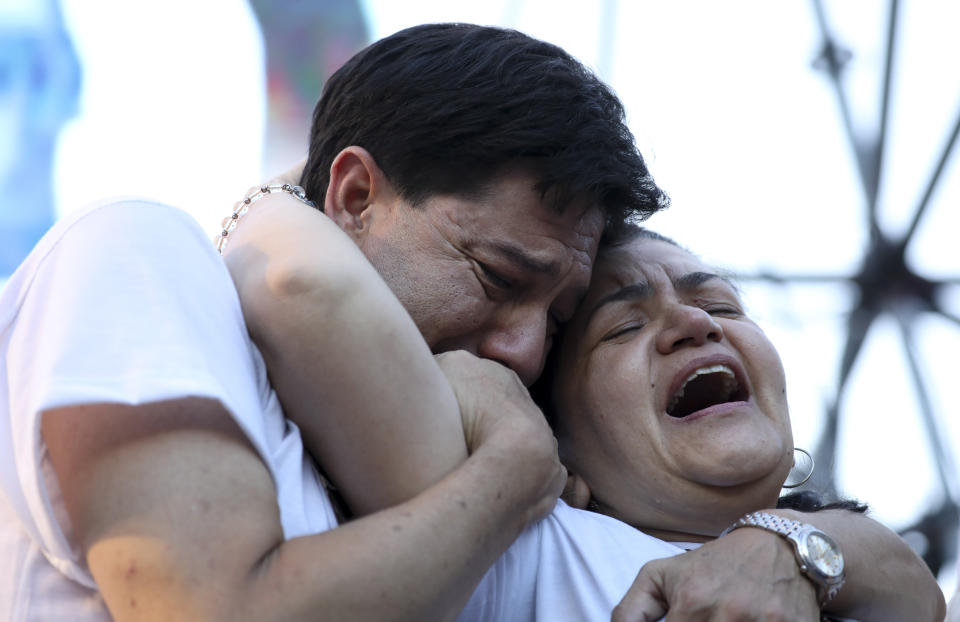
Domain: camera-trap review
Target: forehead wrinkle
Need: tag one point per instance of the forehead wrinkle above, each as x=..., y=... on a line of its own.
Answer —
x=521, y=257
x=635, y=291
x=692, y=281
x=642, y=290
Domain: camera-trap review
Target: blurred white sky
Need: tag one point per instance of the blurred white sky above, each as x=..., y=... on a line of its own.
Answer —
x=735, y=125
x=172, y=104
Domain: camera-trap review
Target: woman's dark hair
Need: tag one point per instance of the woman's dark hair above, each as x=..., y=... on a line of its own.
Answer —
x=446, y=108
x=810, y=501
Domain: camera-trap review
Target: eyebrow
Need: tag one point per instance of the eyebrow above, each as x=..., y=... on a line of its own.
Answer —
x=641, y=290
x=528, y=262
x=693, y=280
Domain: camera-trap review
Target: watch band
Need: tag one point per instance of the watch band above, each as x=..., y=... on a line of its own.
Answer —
x=827, y=581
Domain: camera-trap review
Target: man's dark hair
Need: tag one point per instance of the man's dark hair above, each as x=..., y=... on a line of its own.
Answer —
x=542, y=391
x=446, y=108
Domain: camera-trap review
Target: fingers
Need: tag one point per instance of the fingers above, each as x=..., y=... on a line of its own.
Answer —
x=548, y=499
x=460, y=365
x=576, y=492
x=724, y=580
x=644, y=601
x=497, y=413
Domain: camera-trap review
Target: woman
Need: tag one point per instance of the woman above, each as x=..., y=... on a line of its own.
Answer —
x=684, y=482
x=670, y=404
x=710, y=414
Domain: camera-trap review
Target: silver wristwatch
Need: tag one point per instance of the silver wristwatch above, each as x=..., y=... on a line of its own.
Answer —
x=818, y=555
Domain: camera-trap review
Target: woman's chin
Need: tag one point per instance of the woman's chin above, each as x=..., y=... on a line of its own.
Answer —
x=740, y=488
x=704, y=505
x=738, y=469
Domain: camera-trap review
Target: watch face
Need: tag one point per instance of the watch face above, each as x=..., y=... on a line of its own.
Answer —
x=825, y=555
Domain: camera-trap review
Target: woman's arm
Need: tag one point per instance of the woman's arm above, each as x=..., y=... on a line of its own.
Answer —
x=347, y=361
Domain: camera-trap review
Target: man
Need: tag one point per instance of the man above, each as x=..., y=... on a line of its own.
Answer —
x=147, y=469
x=132, y=387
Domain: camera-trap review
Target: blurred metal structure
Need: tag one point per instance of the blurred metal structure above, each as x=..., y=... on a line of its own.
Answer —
x=886, y=285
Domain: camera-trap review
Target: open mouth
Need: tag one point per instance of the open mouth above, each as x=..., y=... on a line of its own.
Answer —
x=705, y=387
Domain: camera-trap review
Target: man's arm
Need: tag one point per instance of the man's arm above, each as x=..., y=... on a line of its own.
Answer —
x=175, y=512
x=178, y=518
x=347, y=361
x=751, y=573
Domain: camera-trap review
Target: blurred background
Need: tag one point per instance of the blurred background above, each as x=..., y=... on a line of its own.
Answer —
x=808, y=148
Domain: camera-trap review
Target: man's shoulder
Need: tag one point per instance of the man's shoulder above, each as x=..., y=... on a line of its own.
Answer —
x=128, y=217
x=110, y=231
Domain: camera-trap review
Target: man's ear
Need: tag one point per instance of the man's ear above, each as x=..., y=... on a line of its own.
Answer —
x=576, y=493
x=357, y=186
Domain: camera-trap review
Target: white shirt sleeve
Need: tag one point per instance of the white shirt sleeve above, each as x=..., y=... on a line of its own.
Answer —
x=125, y=303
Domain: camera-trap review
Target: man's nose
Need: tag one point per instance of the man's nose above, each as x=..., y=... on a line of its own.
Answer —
x=687, y=326
x=520, y=344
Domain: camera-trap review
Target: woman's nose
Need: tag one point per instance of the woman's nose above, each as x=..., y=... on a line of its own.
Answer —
x=687, y=326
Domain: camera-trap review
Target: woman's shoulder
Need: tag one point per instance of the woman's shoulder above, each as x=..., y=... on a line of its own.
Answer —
x=613, y=538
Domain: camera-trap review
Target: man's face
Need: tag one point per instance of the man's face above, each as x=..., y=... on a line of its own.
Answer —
x=494, y=275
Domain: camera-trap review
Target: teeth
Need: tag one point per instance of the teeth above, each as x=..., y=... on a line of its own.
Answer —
x=729, y=381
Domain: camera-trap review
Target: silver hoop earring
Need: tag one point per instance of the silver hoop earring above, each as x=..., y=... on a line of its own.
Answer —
x=803, y=466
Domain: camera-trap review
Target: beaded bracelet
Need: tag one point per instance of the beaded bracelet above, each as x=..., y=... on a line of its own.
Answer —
x=240, y=208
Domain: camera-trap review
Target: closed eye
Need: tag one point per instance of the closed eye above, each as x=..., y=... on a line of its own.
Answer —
x=623, y=330
x=494, y=278
x=724, y=310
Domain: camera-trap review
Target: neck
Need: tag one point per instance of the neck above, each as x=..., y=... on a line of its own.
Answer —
x=667, y=535
x=676, y=536
x=696, y=523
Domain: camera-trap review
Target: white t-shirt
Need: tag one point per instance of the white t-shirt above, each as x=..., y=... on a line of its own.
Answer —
x=572, y=565
x=124, y=302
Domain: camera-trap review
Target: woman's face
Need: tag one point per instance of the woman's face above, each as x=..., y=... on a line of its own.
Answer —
x=671, y=401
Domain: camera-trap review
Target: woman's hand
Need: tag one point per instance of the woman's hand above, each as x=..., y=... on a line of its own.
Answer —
x=500, y=419
x=576, y=492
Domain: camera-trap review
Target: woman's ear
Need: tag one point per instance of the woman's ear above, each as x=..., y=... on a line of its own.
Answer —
x=576, y=493
x=357, y=186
